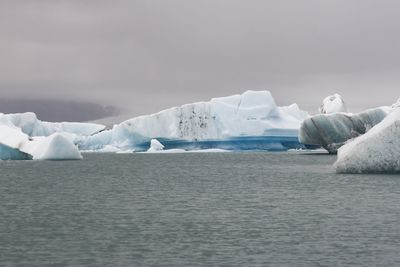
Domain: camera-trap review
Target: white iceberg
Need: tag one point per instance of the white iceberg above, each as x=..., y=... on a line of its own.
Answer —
x=333, y=104
x=155, y=146
x=32, y=126
x=12, y=136
x=250, y=120
x=53, y=147
x=24, y=136
x=377, y=151
x=17, y=145
x=11, y=139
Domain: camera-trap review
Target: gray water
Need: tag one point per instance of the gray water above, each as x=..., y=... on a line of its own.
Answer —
x=217, y=209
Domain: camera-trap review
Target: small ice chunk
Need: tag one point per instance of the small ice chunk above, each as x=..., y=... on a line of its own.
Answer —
x=333, y=104
x=155, y=145
x=53, y=147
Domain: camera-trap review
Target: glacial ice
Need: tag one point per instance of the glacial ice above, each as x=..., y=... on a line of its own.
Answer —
x=331, y=131
x=17, y=145
x=12, y=137
x=397, y=104
x=32, y=126
x=248, y=121
x=377, y=151
x=23, y=136
x=332, y=104
x=8, y=153
x=155, y=145
x=251, y=121
x=53, y=147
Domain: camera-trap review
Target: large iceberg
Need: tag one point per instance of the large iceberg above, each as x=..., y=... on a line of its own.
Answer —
x=248, y=121
x=251, y=121
x=377, y=151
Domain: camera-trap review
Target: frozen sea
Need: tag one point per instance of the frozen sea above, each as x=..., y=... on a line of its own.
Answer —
x=200, y=209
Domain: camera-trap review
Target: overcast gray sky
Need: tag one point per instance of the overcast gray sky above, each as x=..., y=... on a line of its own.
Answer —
x=148, y=55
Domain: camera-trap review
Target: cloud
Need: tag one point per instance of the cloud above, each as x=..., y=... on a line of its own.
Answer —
x=146, y=55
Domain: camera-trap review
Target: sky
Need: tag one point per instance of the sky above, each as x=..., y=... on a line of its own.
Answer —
x=147, y=55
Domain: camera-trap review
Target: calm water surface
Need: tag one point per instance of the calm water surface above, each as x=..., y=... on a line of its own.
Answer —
x=217, y=209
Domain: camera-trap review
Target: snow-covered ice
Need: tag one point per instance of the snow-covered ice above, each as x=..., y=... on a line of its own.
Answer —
x=333, y=104
x=53, y=147
x=377, y=151
x=397, y=104
x=32, y=126
x=24, y=136
x=12, y=137
x=155, y=145
x=17, y=145
x=250, y=121
x=252, y=114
